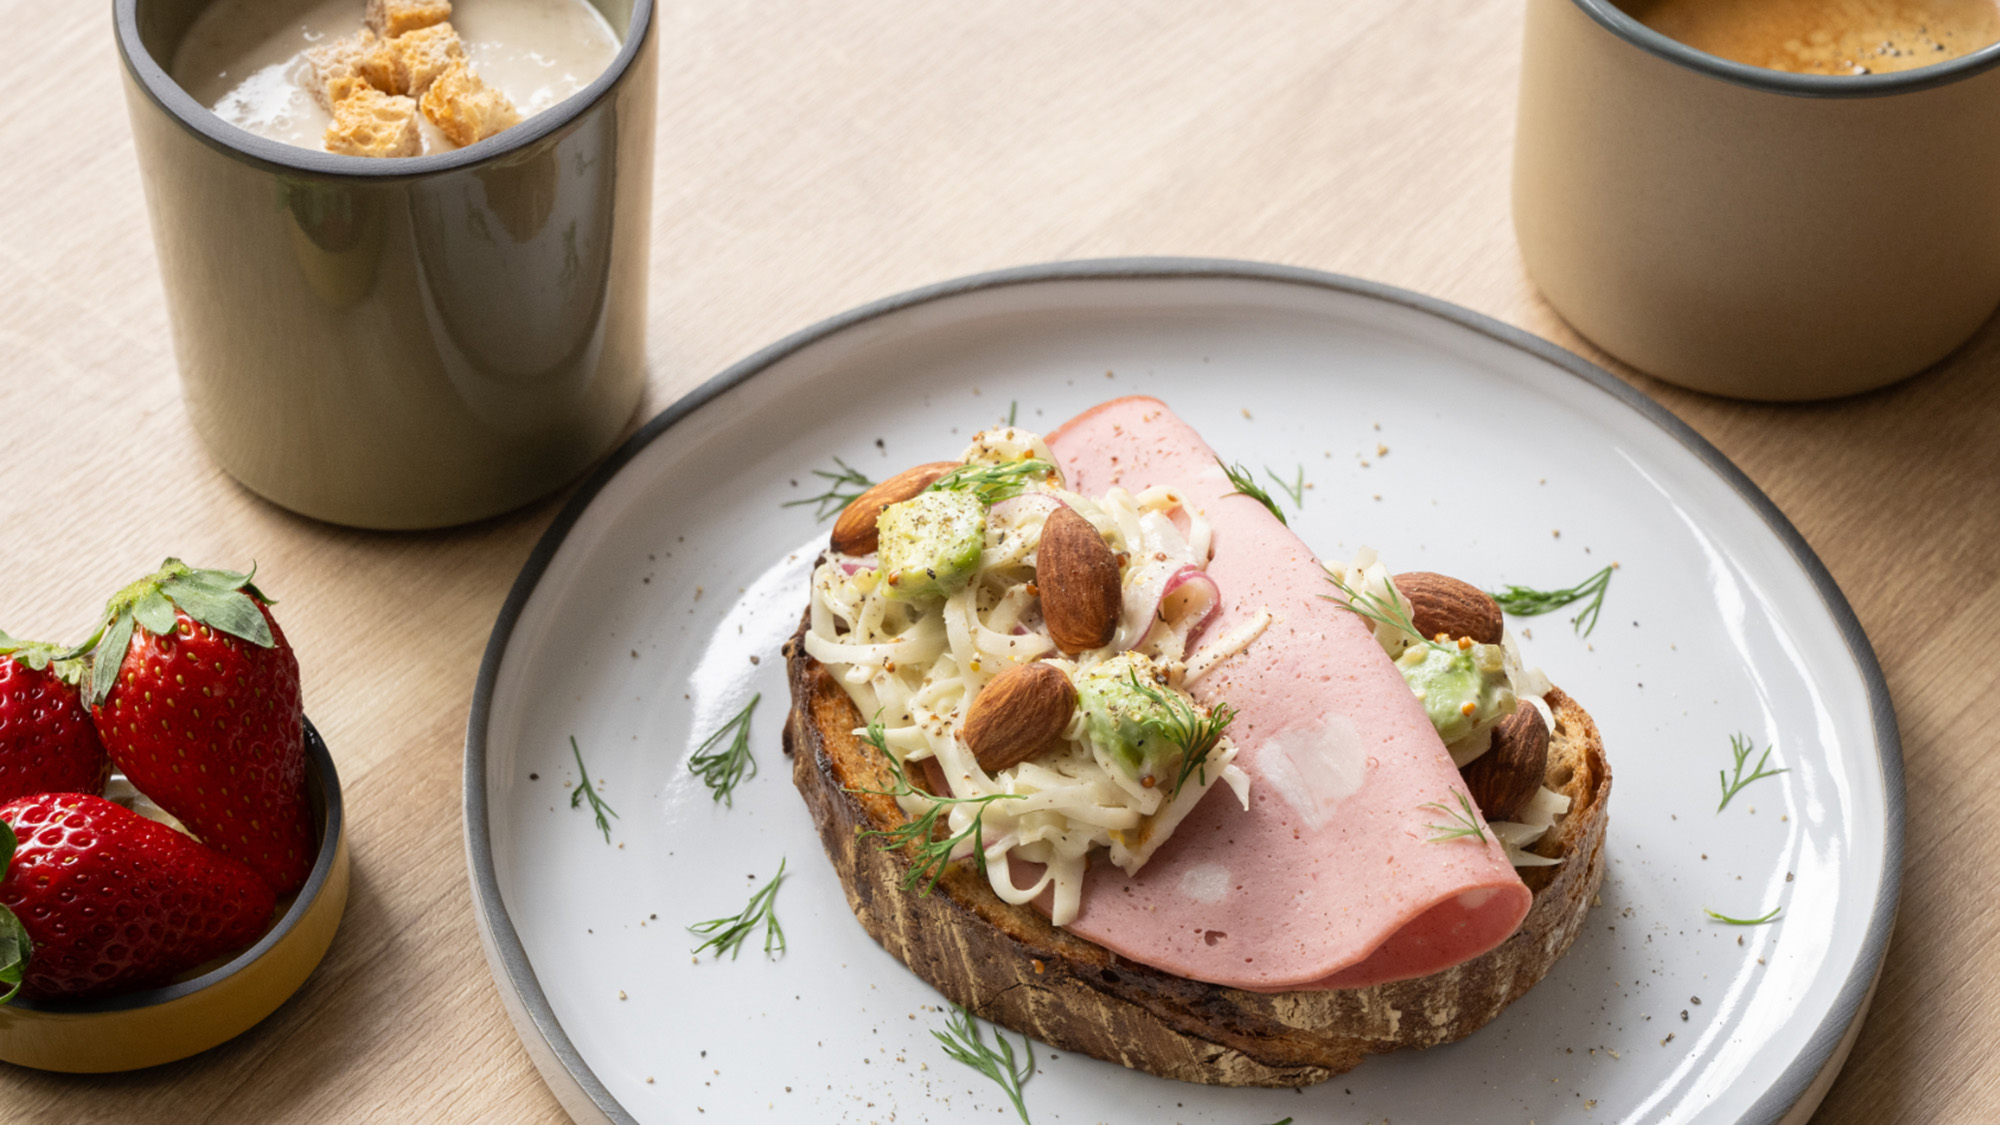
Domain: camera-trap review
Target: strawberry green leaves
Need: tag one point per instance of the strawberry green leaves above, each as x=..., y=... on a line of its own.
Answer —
x=15, y=945
x=39, y=655
x=223, y=600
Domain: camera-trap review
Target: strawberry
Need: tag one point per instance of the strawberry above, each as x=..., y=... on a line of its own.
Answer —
x=47, y=744
x=196, y=695
x=97, y=899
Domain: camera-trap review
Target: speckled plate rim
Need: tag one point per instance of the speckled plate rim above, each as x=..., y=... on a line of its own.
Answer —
x=585, y=1097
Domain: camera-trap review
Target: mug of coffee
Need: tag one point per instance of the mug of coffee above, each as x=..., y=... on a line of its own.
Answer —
x=404, y=247
x=1766, y=199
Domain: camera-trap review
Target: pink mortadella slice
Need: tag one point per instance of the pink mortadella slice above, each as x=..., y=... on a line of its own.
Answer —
x=1332, y=878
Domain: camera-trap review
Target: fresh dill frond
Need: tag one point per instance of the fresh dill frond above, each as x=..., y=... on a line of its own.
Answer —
x=1741, y=746
x=726, y=935
x=843, y=488
x=1244, y=481
x=1294, y=488
x=933, y=856
x=963, y=1042
x=1771, y=917
x=1378, y=609
x=598, y=807
x=1523, y=601
x=1465, y=821
x=1188, y=728
x=721, y=769
x=994, y=483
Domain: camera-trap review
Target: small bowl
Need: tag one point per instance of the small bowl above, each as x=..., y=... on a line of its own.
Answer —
x=161, y=1025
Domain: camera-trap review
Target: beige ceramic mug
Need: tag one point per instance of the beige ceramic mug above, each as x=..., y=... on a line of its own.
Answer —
x=1751, y=232
x=404, y=343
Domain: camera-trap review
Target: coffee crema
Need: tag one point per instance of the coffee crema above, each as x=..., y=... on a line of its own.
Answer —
x=1839, y=37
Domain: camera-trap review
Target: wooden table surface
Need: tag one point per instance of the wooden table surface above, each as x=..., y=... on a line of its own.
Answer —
x=815, y=155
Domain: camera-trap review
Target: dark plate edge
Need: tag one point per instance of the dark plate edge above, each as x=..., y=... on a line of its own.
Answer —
x=508, y=951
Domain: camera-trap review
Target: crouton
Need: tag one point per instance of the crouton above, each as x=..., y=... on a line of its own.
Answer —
x=335, y=70
x=465, y=108
x=409, y=63
x=368, y=122
x=390, y=18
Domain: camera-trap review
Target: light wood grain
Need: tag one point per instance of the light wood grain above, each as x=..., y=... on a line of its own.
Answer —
x=814, y=155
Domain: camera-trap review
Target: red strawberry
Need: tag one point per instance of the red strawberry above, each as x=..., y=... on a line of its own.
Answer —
x=196, y=695
x=47, y=744
x=109, y=901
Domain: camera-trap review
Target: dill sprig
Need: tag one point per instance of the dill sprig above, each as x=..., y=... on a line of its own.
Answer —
x=843, y=488
x=1382, y=611
x=598, y=807
x=1294, y=488
x=1741, y=746
x=993, y=483
x=1465, y=822
x=1244, y=481
x=1194, y=732
x=963, y=1042
x=933, y=856
x=726, y=935
x=721, y=769
x=1771, y=917
x=1522, y=601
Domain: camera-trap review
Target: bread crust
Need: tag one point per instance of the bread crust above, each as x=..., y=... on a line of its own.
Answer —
x=1010, y=966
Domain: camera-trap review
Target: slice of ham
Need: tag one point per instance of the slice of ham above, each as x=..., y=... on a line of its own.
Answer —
x=1331, y=878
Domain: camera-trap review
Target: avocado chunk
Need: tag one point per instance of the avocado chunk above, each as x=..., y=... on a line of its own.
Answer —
x=930, y=544
x=1122, y=722
x=1464, y=690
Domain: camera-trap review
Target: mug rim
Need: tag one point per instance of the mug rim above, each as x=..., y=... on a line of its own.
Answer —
x=1615, y=20
x=211, y=129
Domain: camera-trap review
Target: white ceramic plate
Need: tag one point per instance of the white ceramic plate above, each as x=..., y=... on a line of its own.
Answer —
x=655, y=607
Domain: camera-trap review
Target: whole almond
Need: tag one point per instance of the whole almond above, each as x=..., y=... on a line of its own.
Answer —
x=1503, y=778
x=854, y=532
x=1078, y=577
x=1445, y=605
x=1017, y=714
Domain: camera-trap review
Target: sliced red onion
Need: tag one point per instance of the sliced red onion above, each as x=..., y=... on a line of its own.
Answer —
x=1190, y=598
x=1179, y=595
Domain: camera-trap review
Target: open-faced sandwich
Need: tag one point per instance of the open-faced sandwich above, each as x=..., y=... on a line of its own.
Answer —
x=1103, y=752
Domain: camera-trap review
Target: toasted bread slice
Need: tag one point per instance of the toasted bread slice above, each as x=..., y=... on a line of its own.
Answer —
x=1010, y=966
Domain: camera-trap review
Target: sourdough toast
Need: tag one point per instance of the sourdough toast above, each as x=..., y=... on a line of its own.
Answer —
x=1010, y=966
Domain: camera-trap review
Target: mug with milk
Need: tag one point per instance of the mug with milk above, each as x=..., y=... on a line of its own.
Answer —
x=1767, y=199
x=404, y=242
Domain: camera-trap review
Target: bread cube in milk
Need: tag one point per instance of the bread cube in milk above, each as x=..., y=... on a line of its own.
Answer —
x=410, y=62
x=368, y=122
x=335, y=70
x=390, y=18
x=465, y=108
